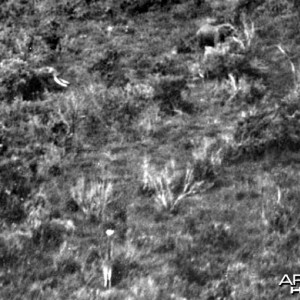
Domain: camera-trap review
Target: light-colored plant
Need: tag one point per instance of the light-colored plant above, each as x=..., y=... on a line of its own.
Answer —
x=249, y=32
x=139, y=89
x=150, y=119
x=165, y=183
x=37, y=209
x=92, y=196
x=293, y=68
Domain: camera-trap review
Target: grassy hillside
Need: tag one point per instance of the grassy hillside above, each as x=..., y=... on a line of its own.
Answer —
x=191, y=154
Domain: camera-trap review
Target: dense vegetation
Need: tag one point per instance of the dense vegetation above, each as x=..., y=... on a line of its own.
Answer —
x=191, y=154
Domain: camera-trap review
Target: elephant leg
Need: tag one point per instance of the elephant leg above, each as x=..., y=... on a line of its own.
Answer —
x=216, y=39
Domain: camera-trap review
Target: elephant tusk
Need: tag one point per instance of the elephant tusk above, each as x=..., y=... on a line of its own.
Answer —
x=61, y=82
x=64, y=81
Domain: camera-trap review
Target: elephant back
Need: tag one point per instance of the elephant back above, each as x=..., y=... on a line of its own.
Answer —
x=207, y=35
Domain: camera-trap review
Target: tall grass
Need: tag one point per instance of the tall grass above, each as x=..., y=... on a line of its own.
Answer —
x=92, y=196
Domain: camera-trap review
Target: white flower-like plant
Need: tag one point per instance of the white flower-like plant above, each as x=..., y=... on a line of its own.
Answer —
x=170, y=185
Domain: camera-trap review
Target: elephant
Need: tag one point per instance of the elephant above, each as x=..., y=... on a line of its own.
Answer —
x=41, y=80
x=211, y=35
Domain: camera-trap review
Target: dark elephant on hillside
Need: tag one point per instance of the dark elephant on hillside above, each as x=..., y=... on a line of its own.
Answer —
x=40, y=80
x=211, y=35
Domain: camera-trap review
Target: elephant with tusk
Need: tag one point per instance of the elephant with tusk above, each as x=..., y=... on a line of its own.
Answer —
x=41, y=80
x=211, y=35
x=50, y=71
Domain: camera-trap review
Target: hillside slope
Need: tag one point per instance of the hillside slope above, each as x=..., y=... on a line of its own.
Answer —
x=188, y=153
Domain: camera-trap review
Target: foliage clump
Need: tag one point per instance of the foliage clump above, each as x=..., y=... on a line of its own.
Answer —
x=52, y=34
x=168, y=93
x=48, y=235
x=14, y=75
x=110, y=68
x=269, y=130
x=170, y=186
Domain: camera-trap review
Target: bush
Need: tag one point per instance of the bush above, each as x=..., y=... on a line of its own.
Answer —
x=68, y=265
x=266, y=130
x=14, y=76
x=9, y=253
x=120, y=110
x=184, y=46
x=92, y=197
x=196, y=270
x=109, y=67
x=48, y=235
x=168, y=67
x=168, y=94
x=169, y=186
x=12, y=208
x=51, y=34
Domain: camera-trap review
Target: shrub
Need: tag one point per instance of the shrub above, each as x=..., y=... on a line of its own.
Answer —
x=216, y=238
x=196, y=270
x=269, y=130
x=149, y=121
x=120, y=110
x=51, y=34
x=12, y=208
x=170, y=185
x=28, y=153
x=13, y=246
x=184, y=46
x=65, y=261
x=167, y=92
x=92, y=197
x=222, y=62
x=109, y=66
x=48, y=235
x=14, y=75
x=30, y=127
x=167, y=66
x=16, y=178
x=243, y=91
x=16, y=43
